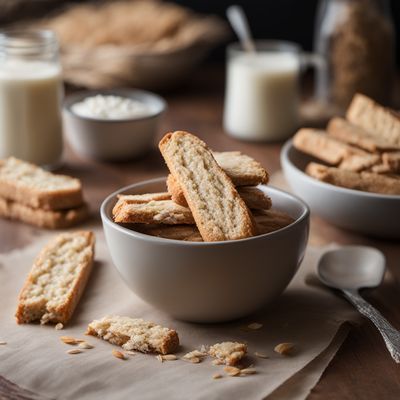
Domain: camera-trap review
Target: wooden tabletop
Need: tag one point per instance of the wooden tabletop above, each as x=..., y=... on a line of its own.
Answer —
x=362, y=369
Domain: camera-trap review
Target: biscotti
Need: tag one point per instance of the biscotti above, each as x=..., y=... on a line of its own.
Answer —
x=254, y=198
x=139, y=199
x=162, y=212
x=375, y=119
x=346, y=132
x=365, y=181
x=318, y=144
x=30, y=185
x=229, y=353
x=43, y=218
x=218, y=210
x=57, y=279
x=241, y=168
x=135, y=334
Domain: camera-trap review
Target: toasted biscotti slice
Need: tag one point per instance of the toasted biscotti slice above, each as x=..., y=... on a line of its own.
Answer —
x=346, y=132
x=320, y=145
x=57, y=279
x=135, y=334
x=241, y=168
x=379, y=121
x=359, y=163
x=28, y=184
x=162, y=212
x=219, y=211
x=254, y=198
x=43, y=218
x=139, y=199
x=365, y=181
x=229, y=353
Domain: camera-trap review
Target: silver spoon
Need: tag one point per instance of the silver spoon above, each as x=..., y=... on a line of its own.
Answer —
x=351, y=268
x=240, y=25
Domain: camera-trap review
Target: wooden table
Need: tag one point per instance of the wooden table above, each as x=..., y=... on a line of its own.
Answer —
x=362, y=369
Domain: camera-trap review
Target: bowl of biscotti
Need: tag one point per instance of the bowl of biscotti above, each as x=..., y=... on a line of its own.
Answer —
x=210, y=242
x=350, y=173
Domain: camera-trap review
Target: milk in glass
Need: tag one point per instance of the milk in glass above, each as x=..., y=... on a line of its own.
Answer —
x=262, y=94
x=30, y=97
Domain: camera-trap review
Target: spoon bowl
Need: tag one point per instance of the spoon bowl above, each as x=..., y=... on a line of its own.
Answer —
x=352, y=267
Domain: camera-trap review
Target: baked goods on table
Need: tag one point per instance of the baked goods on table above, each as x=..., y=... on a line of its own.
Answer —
x=362, y=152
x=229, y=353
x=141, y=43
x=30, y=194
x=57, y=279
x=135, y=334
x=202, y=202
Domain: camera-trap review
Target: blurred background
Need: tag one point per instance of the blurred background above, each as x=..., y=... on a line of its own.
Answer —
x=292, y=20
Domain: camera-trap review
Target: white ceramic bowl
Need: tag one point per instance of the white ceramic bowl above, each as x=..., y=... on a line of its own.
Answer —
x=112, y=140
x=208, y=282
x=368, y=213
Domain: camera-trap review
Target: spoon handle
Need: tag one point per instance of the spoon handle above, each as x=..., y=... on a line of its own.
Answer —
x=390, y=335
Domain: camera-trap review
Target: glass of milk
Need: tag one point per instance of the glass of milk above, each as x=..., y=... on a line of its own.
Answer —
x=30, y=97
x=262, y=91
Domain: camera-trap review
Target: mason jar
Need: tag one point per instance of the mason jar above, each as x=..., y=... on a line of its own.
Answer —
x=31, y=93
x=357, y=40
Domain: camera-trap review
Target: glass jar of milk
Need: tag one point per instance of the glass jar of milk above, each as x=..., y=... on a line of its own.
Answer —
x=262, y=91
x=30, y=97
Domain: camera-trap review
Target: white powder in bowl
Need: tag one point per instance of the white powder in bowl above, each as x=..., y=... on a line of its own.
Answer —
x=110, y=107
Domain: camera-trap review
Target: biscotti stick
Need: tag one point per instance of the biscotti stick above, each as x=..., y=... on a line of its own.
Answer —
x=162, y=212
x=139, y=199
x=242, y=169
x=254, y=198
x=365, y=181
x=43, y=218
x=57, y=279
x=219, y=211
x=346, y=132
x=135, y=334
x=229, y=353
x=359, y=163
x=375, y=119
x=28, y=184
x=320, y=145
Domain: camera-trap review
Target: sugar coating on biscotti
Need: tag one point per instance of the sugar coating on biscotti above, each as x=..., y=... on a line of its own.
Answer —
x=218, y=210
x=57, y=279
x=135, y=334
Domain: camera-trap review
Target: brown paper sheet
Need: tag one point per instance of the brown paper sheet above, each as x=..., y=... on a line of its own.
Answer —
x=35, y=358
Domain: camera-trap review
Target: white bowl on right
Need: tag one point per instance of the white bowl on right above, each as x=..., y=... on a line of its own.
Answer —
x=367, y=213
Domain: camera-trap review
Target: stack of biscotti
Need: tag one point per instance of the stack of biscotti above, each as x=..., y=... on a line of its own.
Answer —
x=211, y=196
x=361, y=151
x=38, y=197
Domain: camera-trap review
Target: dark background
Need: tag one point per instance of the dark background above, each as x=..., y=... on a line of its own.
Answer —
x=270, y=19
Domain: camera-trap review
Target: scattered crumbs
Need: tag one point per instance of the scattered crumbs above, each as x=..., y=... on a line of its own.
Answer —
x=118, y=354
x=232, y=371
x=74, y=351
x=284, y=349
x=59, y=326
x=217, y=376
x=248, y=371
x=85, y=345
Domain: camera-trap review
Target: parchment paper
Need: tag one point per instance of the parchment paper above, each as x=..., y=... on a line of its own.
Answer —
x=34, y=357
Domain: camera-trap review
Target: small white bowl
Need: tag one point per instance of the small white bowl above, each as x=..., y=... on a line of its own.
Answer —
x=113, y=140
x=208, y=282
x=368, y=213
